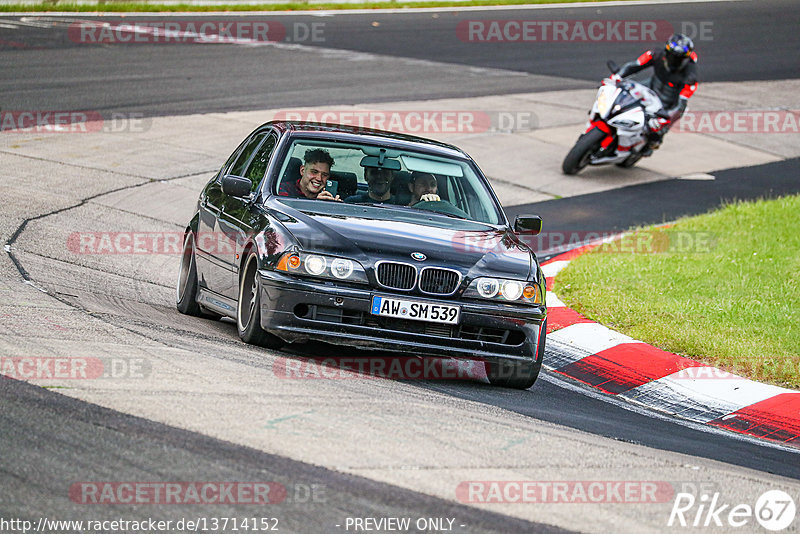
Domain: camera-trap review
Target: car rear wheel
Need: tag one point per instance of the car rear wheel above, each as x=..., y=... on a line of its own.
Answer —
x=248, y=312
x=518, y=375
x=186, y=299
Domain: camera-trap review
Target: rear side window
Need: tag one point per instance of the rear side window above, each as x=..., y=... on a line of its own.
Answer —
x=258, y=165
x=252, y=161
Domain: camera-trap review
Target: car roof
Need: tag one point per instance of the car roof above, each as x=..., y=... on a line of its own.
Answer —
x=361, y=134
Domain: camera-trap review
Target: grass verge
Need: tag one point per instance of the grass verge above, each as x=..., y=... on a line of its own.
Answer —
x=722, y=288
x=149, y=7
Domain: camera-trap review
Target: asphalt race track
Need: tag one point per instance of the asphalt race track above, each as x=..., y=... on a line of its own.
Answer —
x=665, y=200
x=208, y=408
x=746, y=41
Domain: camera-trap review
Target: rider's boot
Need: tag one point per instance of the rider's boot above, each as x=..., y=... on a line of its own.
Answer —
x=653, y=143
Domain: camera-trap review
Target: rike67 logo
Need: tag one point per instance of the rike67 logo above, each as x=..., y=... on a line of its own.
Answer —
x=774, y=510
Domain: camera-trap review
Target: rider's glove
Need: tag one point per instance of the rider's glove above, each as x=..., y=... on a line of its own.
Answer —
x=656, y=123
x=430, y=197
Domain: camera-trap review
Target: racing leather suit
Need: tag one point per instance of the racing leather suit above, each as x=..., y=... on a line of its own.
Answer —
x=674, y=88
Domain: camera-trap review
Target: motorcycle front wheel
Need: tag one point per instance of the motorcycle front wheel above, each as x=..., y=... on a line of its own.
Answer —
x=578, y=157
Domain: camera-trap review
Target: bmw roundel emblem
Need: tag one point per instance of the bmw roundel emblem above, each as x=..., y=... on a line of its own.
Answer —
x=419, y=256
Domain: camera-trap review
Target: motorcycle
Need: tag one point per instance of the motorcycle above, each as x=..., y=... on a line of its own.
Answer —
x=618, y=127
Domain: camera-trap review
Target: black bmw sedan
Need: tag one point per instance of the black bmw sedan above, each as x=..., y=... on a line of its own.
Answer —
x=365, y=238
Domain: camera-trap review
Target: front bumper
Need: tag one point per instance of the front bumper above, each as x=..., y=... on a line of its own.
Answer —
x=302, y=309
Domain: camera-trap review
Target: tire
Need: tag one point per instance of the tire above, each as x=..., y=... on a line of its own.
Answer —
x=248, y=309
x=578, y=157
x=630, y=161
x=518, y=375
x=186, y=289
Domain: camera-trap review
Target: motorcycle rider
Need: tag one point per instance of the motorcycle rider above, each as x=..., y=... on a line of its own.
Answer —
x=674, y=80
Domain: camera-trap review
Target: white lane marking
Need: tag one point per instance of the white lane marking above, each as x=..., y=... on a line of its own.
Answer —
x=697, y=176
x=335, y=53
x=553, y=301
x=560, y=354
x=553, y=268
x=526, y=7
x=702, y=393
x=626, y=404
x=590, y=337
x=331, y=13
x=28, y=21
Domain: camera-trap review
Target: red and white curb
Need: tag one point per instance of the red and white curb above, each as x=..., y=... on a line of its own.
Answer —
x=619, y=365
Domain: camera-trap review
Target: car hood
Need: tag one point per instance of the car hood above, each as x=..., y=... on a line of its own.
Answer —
x=474, y=252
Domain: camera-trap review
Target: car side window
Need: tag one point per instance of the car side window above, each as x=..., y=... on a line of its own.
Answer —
x=229, y=162
x=258, y=166
x=239, y=167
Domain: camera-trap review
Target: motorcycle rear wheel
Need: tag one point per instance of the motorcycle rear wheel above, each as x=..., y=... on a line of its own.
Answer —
x=630, y=161
x=578, y=157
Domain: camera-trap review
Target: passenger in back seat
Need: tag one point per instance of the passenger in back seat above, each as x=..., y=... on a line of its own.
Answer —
x=379, y=182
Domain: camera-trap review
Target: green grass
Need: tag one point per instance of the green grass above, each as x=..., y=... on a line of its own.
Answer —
x=721, y=288
x=114, y=6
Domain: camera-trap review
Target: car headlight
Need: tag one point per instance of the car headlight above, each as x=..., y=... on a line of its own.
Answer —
x=315, y=264
x=487, y=287
x=511, y=290
x=321, y=266
x=502, y=290
x=342, y=268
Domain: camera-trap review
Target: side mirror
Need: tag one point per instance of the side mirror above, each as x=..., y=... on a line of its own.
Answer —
x=528, y=224
x=612, y=66
x=236, y=186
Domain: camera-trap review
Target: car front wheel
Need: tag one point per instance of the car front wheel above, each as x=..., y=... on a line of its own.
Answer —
x=248, y=312
x=517, y=375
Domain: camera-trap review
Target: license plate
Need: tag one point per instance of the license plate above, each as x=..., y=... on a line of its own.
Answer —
x=416, y=310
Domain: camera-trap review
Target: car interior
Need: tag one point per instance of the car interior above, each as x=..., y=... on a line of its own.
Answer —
x=347, y=181
x=461, y=193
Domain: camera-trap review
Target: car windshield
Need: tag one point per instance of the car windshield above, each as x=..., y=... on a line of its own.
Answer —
x=404, y=183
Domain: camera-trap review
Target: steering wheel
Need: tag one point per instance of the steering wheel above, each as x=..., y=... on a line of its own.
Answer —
x=440, y=206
